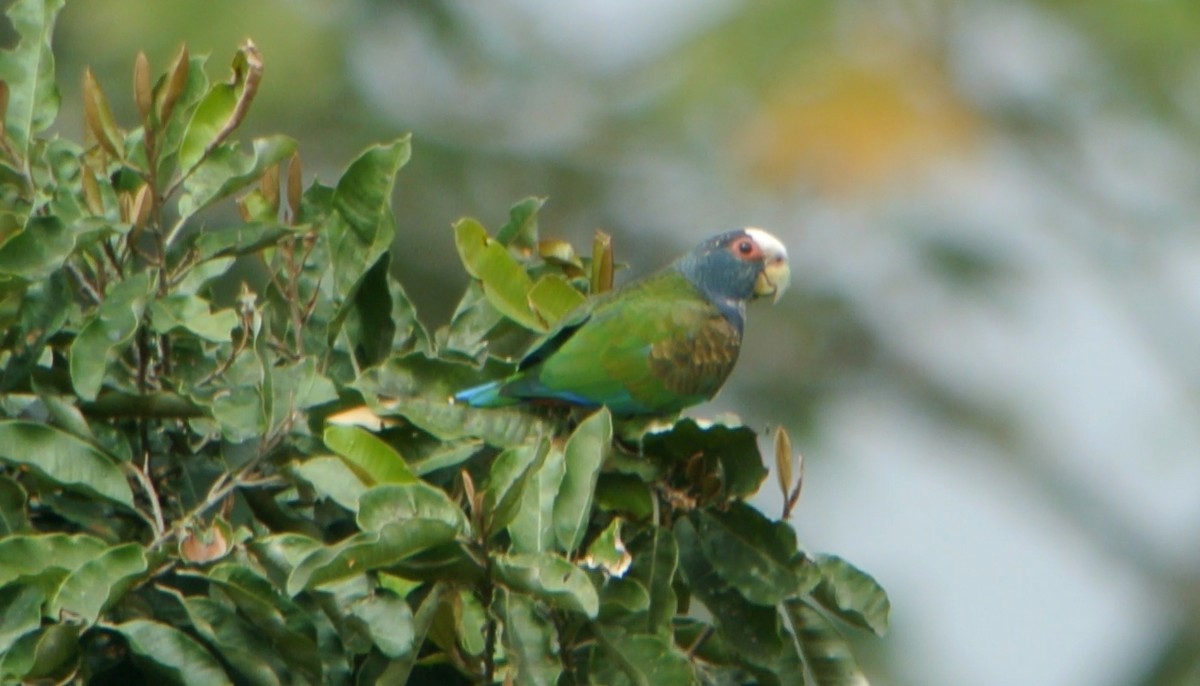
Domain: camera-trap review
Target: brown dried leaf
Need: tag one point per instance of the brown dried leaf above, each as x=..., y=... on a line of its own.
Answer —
x=783, y=461
x=176, y=80
x=269, y=185
x=125, y=202
x=91, y=191
x=139, y=213
x=99, y=117
x=294, y=187
x=143, y=95
x=602, y=263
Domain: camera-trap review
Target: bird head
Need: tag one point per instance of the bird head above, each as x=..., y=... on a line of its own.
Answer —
x=738, y=266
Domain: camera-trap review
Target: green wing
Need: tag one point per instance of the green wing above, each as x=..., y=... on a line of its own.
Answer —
x=656, y=347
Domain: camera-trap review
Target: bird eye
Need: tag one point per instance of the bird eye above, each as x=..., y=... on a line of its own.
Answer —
x=745, y=247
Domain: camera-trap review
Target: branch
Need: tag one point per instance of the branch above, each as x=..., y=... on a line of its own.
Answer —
x=159, y=405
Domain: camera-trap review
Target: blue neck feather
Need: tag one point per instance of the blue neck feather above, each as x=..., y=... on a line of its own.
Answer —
x=724, y=280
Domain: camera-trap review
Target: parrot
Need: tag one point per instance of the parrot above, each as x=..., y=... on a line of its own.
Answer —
x=655, y=346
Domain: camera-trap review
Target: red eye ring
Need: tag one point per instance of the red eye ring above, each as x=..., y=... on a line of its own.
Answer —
x=745, y=247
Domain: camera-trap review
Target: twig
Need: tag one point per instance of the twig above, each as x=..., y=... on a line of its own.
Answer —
x=220, y=489
x=238, y=347
x=699, y=642
x=84, y=283
x=148, y=486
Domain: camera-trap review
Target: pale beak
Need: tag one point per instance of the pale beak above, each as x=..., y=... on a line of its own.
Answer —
x=776, y=274
x=774, y=278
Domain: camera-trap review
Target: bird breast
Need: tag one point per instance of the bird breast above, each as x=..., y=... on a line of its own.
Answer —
x=698, y=363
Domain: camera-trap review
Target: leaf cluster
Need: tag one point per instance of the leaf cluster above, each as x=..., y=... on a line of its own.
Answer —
x=228, y=454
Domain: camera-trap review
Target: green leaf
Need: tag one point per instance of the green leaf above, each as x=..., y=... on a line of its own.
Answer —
x=641, y=660
x=530, y=640
x=419, y=388
x=107, y=334
x=237, y=240
x=30, y=554
x=852, y=595
x=238, y=404
x=227, y=170
x=584, y=454
x=208, y=119
x=64, y=459
x=383, y=321
x=825, y=652
x=607, y=551
x=623, y=601
x=550, y=578
x=752, y=631
x=625, y=494
x=202, y=274
x=20, y=612
x=472, y=321
x=99, y=582
x=521, y=229
x=449, y=454
x=240, y=413
x=42, y=653
x=28, y=70
x=388, y=503
x=506, y=482
x=14, y=519
x=277, y=617
x=280, y=553
x=532, y=529
x=655, y=561
x=66, y=415
x=189, y=92
x=388, y=620
x=174, y=655
x=752, y=553
x=299, y=386
x=376, y=461
x=237, y=641
x=38, y=250
x=360, y=227
x=552, y=298
x=398, y=670
x=332, y=478
x=369, y=550
x=505, y=283
x=42, y=313
x=192, y=313
x=730, y=451
x=470, y=621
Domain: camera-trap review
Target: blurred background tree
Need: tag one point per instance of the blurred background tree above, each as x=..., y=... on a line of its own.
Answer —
x=992, y=212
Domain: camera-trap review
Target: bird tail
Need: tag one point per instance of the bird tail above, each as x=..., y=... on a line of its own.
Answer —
x=483, y=395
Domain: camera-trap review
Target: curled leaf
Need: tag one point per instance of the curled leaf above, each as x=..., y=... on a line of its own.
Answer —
x=222, y=110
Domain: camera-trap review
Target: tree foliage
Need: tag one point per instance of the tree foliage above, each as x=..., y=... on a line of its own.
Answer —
x=228, y=454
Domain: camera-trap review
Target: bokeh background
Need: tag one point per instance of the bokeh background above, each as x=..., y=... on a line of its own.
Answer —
x=991, y=354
